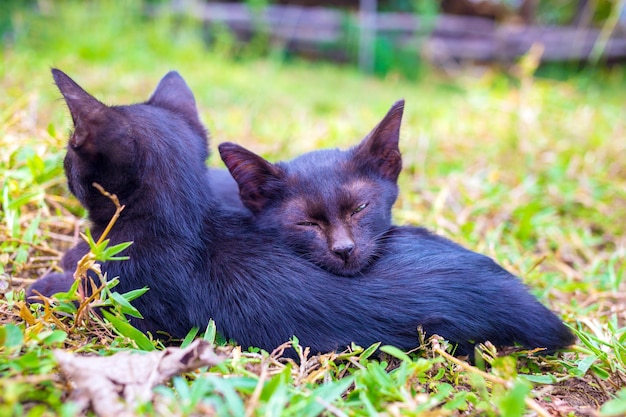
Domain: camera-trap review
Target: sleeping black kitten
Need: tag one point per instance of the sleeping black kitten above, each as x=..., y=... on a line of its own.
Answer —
x=331, y=206
x=201, y=261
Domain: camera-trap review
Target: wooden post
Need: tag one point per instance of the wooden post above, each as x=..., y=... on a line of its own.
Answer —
x=367, y=34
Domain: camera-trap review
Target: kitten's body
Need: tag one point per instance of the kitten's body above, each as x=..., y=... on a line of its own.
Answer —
x=203, y=261
x=224, y=188
x=331, y=206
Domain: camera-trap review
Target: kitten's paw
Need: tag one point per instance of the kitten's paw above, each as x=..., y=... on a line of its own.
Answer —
x=48, y=286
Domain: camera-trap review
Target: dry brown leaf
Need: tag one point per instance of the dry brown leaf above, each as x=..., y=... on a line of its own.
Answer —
x=115, y=385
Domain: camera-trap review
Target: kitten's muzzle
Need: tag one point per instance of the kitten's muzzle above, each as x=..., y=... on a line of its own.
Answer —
x=343, y=250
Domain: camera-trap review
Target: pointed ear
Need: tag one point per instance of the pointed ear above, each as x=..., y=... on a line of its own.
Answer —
x=172, y=93
x=380, y=150
x=84, y=108
x=259, y=180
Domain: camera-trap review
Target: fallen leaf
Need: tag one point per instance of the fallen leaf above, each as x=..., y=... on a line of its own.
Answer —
x=114, y=385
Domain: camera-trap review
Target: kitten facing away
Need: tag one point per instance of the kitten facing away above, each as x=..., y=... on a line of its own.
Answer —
x=201, y=261
x=331, y=206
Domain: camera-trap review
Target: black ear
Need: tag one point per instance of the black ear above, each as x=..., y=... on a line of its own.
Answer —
x=172, y=93
x=380, y=149
x=257, y=178
x=84, y=108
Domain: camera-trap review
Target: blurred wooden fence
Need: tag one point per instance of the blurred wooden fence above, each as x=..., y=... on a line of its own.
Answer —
x=440, y=39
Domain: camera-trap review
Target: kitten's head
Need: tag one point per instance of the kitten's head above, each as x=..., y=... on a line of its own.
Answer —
x=131, y=148
x=331, y=206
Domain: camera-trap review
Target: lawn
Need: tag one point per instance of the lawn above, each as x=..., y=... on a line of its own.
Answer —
x=527, y=169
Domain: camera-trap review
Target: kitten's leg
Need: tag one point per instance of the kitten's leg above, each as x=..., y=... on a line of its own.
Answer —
x=49, y=285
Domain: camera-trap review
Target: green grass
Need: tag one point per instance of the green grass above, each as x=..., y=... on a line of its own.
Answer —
x=527, y=170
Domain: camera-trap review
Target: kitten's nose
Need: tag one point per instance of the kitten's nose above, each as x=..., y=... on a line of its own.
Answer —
x=343, y=250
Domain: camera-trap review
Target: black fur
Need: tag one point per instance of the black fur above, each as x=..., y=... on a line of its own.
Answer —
x=330, y=206
x=202, y=261
x=224, y=189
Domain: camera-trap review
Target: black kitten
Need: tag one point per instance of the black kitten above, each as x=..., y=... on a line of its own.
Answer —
x=331, y=206
x=201, y=261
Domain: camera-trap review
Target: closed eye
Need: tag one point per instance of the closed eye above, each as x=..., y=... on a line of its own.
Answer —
x=359, y=208
x=308, y=224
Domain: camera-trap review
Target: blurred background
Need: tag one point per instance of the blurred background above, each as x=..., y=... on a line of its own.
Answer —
x=402, y=36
